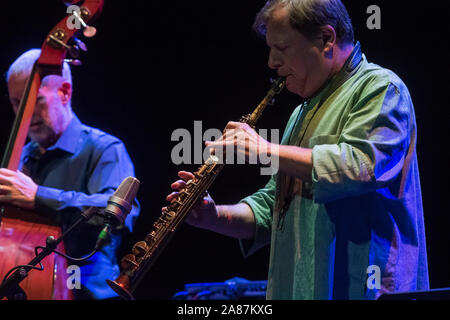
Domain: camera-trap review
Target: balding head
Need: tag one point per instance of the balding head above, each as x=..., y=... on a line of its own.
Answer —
x=23, y=65
x=53, y=111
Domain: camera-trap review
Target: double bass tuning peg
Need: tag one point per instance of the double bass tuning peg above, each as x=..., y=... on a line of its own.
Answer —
x=73, y=62
x=74, y=49
x=88, y=31
x=80, y=44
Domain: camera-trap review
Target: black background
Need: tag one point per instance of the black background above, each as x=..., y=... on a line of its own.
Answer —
x=158, y=66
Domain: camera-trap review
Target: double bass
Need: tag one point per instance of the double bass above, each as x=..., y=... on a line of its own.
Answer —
x=21, y=231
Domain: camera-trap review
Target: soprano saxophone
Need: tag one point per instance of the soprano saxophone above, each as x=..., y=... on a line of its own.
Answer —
x=135, y=265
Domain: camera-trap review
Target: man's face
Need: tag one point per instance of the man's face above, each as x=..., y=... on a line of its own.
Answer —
x=51, y=108
x=295, y=57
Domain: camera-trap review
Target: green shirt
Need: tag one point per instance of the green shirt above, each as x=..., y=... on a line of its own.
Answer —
x=363, y=211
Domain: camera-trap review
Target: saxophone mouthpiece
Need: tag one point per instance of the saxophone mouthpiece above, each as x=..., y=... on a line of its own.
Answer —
x=279, y=84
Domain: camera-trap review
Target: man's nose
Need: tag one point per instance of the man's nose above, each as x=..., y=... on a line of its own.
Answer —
x=274, y=61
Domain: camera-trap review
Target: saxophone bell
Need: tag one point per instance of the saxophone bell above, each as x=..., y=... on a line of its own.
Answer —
x=121, y=286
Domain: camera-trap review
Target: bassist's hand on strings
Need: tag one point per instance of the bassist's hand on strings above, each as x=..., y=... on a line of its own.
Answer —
x=17, y=189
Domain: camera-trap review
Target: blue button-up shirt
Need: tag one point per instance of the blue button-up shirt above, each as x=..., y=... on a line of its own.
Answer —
x=82, y=169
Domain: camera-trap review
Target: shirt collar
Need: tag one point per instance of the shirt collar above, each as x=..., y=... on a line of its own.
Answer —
x=69, y=139
x=348, y=69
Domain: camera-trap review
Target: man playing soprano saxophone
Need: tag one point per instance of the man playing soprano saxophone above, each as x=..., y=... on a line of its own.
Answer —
x=346, y=198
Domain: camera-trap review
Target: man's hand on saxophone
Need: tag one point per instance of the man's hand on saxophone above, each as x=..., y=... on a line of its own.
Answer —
x=245, y=143
x=204, y=213
x=248, y=145
x=235, y=221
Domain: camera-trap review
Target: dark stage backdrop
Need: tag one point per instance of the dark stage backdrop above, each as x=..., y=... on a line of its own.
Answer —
x=156, y=66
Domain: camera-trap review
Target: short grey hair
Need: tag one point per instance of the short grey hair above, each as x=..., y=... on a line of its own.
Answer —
x=24, y=65
x=307, y=16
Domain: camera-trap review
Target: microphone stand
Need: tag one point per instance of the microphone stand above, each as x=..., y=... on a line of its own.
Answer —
x=10, y=286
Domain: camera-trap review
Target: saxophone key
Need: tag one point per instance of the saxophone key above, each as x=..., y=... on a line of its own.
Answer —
x=140, y=249
x=171, y=214
x=168, y=216
x=199, y=173
x=191, y=183
x=129, y=262
x=211, y=162
x=151, y=237
x=185, y=193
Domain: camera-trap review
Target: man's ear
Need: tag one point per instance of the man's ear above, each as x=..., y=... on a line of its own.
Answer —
x=328, y=38
x=65, y=90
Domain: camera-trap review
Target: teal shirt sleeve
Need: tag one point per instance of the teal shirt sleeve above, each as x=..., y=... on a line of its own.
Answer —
x=372, y=148
x=262, y=203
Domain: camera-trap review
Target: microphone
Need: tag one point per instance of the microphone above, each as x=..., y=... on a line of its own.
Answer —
x=118, y=208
